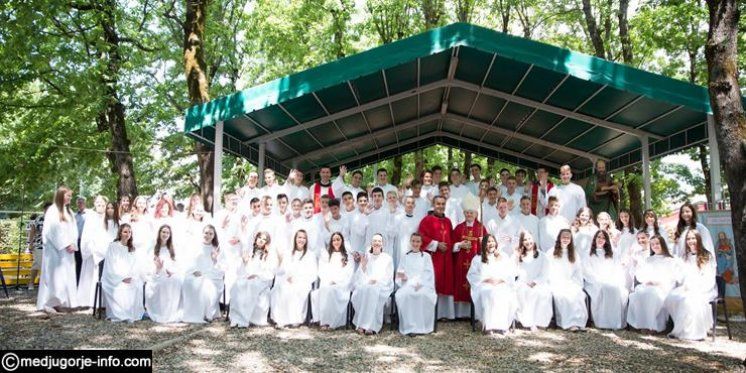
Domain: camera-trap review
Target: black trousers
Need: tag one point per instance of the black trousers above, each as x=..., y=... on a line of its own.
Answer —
x=78, y=264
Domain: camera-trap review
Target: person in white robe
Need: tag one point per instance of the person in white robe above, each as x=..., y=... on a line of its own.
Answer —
x=583, y=231
x=141, y=222
x=635, y=257
x=373, y=285
x=57, y=285
x=421, y=203
x=293, y=281
x=294, y=186
x=656, y=277
x=163, y=286
x=550, y=226
x=382, y=181
x=407, y=221
x=688, y=222
x=313, y=225
x=251, y=300
x=492, y=278
x=534, y=294
x=606, y=224
x=248, y=192
x=457, y=190
x=389, y=226
x=99, y=231
x=271, y=187
x=347, y=204
x=275, y=225
x=329, y=301
x=122, y=279
x=566, y=282
x=203, y=281
x=228, y=223
x=651, y=226
x=526, y=220
x=505, y=227
x=377, y=216
x=627, y=232
x=335, y=221
x=513, y=196
x=489, y=205
x=571, y=196
x=606, y=284
x=359, y=223
x=689, y=304
x=416, y=295
x=339, y=186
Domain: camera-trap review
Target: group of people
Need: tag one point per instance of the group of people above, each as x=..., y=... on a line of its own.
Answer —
x=513, y=250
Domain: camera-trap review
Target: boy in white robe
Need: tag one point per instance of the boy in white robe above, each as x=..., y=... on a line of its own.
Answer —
x=416, y=290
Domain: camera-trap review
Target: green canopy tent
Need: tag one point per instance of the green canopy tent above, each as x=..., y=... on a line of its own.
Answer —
x=463, y=86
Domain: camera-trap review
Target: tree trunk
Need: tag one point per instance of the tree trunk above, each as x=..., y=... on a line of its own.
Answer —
x=504, y=8
x=419, y=164
x=624, y=32
x=730, y=119
x=701, y=149
x=595, y=34
x=432, y=10
x=490, y=167
x=467, y=164
x=450, y=160
x=634, y=191
x=198, y=88
x=396, y=175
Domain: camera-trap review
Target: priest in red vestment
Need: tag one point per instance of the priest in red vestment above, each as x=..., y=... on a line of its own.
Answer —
x=467, y=238
x=436, y=231
x=321, y=188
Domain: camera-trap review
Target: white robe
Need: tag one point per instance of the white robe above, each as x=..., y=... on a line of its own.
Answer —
x=341, y=225
x=633, y=259
x=93, y=245
x=416, y=307
x=289, y=300
x=339, y=187
x=646, y=309
x=379, y=221
x=495, y=306
x=123, y=301
x=606, y=284
x=57, y=285
x=200, y=294
x=506, y=230
x=454, y=212
x=549, y=228
x=229, y=227
x=163, y=291
x=315, y=232
x=300, y=192
x=582, y=240
x=571, y=198
x=679, y=248
x=406, y=225
x=529, y=223
x=534, y=303
x=329, y=301
x=358, y=232
x=566, y=282
x=488, y=211
x=277, y=228
x=250, y=304
x=369, y=299
x=689, y=304
x=143, y=236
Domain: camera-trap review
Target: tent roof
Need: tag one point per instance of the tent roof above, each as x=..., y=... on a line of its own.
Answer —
x=498, y=95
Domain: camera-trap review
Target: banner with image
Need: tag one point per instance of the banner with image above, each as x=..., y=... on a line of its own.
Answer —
x=721, y=229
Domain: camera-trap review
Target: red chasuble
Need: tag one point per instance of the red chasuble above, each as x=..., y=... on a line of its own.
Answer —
x=317, y=193
x=439, y=229
x=462, y=259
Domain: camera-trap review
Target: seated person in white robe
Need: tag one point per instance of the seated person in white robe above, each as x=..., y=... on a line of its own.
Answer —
x=329, y=301
x=655, y=279
x=688, y=222
x=688, y=304
x=550, y=226
x=635, y=256
x=566, y=283
x=289, y=296
x=492, y=279
x=416, y=297
x=373, y=286
x=250, y=305
x=606, y=284
x=122, y=279
x=163, y=286
x=534, y=295
x=203, y=281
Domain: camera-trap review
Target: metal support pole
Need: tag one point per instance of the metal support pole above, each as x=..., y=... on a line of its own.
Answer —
x=217, y=182
x=716, y=186
x=260, y=166
x=646, y=171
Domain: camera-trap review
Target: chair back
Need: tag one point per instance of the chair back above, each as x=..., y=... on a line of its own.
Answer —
x=100, y=270
x=720, y=281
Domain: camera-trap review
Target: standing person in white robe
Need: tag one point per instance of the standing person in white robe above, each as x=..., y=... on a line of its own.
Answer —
x=347, y=206
x=489, y=205
x=122, y=279
x=651, y=226
x=566, y=282
x=457, y=189
x=163, y=286
x=339, y=186
x=656, y=278
x=453, y=210
x=296, y=275
x=203, y=281
x=583, y=230
x=329, y=301
x=606, y=284
x=313, y=225
x=142, y=228
x=377, y=216
x=248, y=192
x=513, y=196
x=373, y=285
x=571, y=196
x=422, y=204
x=492, y=279
x=505, y=227
x=688, y=222
x=689, y=304
x=57, y=285
x=534, y=294
x=407, y=222
x=550, y=226
x=228, y=223
x=416, y=290
x=359, y=224
x=382, y=181
x=526, y=220
x=606, y=224
x=335, y=221
x=635, y=257
x=390, y=227
x=250, y=304
x=625, y=224
x=294, y=186
x=99, y=231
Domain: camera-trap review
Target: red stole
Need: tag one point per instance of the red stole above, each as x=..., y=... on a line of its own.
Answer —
x=317, y=196
x=535, y=196
x=462, y=259
x=433, y=228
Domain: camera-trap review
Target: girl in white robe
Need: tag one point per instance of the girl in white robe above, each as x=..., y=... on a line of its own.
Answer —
x=203, y=281
x=656, y=278
x=689, y=304
x=606, y=284
x=566, y=282
x=534, y=294
x=550, y=226
x=99, y=231
x=57, y=286
x=625, y=224
x=296, y=275
x=651, y=227
x=163, y=288
x=122, y=279
x=583, y=231
x=142, y=228
x=228, y=222
x=373, y=286
x=416, y=297
x=329, y=301
x=635, y=257
x=688, y=222
x=606, y=224
x=492, y=278
x=250, y=298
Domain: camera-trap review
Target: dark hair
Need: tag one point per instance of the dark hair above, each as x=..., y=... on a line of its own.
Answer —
x=483, y=248
x=643, y=224
x=360, y=195
x=525, y=197
x=415, y=234
x=347, y=192
x=504, y=169
x=169, y=242
x=357, y=172
x=682, y=225
x=214, y=242
x=342, y=249
x=438, y=197
x=663, y=243
x=305, y=247
x=264, y=252
x=620, y=225
x=376, y=190
x=703, y=256
x=591, y=217
x=333, y=202
x=522, y=248
x=521, y=171
x=416, y=183
x=371, y=246
x=307, y=201
x=281, y=196
x=475, y=165
x=436, y=168
x=254, y=200
x=607, y=245
x=130, y=245
x=443, y=184
x=381, y=170
x=492, y=189
x=115, y=218
x=570, y=247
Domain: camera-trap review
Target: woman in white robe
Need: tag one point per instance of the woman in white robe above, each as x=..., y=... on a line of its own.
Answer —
x=296, y=275
x=606, y=284
x=228, y=222
x=329, y=301
x=415, y=297
x=651, y=227
x=606, y=224
x=57, y=285
x=122, y=279
x=99, y=231
x=534, y=294
x=142, y=228
x=689, y=304
x=656, y=277
x=163, y=288
x=550, y=225
x=566, y=282
x=373, y=286
x=203, y=281
x=583, y=231
x=688, y=222
x=633, y=258
x=625, y=224
x=250, y=305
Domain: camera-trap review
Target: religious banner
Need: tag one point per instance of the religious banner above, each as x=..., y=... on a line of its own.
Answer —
x=721, y=229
